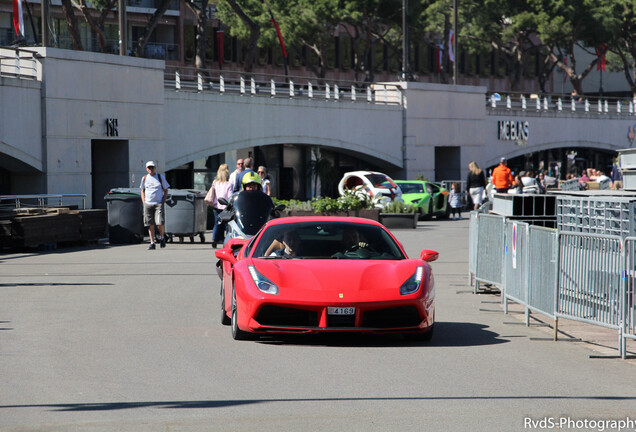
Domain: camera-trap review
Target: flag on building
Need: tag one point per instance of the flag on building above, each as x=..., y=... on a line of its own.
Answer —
x=18, y=20
x=451, y=41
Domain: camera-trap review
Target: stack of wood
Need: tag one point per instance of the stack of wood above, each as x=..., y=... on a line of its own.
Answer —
x=33, y=227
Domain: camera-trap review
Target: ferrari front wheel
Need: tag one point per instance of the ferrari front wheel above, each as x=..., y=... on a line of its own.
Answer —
x=225, y=320
x=237, y=333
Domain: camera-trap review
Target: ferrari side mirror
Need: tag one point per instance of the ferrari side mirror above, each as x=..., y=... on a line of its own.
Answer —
x=429, y=255
x=226, y=254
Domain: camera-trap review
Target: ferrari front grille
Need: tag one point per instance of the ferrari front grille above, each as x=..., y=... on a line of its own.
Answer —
x=401, y=316
x=271, y=315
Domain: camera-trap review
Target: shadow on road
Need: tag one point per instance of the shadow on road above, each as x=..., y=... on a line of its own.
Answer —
x=447, y=334
x=207, y=404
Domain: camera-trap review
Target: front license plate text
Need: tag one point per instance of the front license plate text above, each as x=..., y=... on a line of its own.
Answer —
x=341, y=311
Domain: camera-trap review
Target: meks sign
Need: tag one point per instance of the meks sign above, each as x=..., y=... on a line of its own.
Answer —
x=509, y=130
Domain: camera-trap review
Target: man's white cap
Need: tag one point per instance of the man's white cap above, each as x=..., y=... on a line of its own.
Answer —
x=149, y=164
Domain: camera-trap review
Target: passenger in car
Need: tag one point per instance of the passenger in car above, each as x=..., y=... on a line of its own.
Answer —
x=290, y=245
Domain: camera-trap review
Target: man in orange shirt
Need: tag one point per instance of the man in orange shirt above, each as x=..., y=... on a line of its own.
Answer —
x=502, y=177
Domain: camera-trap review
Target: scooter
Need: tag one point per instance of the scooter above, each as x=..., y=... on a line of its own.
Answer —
x=244, y=215
x=246, y=212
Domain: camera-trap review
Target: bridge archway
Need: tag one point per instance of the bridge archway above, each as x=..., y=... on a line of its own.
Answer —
x=291, y=166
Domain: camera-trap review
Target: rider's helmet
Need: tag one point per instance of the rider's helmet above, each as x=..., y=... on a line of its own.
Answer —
x=252, y=177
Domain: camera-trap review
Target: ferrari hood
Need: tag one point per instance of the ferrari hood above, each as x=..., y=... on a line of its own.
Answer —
x=346, y=277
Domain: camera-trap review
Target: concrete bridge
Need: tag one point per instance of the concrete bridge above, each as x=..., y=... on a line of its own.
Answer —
x=77, y=122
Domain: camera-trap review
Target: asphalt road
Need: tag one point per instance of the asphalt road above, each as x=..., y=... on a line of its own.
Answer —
x=118, y=338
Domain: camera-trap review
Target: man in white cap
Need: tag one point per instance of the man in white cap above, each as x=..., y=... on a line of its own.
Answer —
x=154, y=191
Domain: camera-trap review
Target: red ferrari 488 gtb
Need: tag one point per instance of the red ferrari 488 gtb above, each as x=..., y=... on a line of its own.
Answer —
x=325, y=274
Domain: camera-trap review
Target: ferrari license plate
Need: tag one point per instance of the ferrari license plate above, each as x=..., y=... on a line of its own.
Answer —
x=341, y=311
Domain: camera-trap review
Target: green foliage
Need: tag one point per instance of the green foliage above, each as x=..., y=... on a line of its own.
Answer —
x=399, y=207
x=293, y=204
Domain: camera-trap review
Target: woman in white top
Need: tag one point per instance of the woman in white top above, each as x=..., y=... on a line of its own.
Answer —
x=267, y=185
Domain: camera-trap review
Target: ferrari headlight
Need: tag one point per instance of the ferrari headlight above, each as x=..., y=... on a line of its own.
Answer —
x=416, y=201
x=413, y=283
x=262, y=283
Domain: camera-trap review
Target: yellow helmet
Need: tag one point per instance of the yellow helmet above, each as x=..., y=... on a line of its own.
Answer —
x=251, y=177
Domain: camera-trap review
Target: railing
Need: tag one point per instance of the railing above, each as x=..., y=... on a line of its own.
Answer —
x=9, y=202
x=280, y=86
x=559, y=103
x=583, y=277
x=17, y=63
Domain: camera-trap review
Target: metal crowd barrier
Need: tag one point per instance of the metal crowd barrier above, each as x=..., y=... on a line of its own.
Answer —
x=490, y=246
x=42, y=200
x=584, y=277
x=472, y=245
x=543, y=262
x=629, y=285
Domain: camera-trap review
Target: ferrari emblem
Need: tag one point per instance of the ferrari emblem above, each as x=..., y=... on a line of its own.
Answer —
x=341, y=295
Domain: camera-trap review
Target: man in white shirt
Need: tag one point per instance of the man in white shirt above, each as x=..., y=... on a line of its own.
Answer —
x=154, y=191
x=240, y=166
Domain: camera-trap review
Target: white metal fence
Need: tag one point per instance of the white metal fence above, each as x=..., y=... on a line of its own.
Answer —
x=579, y=276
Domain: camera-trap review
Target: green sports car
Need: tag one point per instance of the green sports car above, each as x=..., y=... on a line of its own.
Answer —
x=430, y=199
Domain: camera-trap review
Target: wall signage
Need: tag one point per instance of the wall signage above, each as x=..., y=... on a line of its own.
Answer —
x=508, y=130
x=112, y=127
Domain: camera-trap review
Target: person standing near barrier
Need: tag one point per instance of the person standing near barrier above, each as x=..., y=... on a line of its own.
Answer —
x=475, y=183
x=502, y=177
x=154, y=191
x=221, y=188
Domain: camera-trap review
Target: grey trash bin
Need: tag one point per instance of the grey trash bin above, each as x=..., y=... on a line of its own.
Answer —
x=125, y=215
x=186, y=214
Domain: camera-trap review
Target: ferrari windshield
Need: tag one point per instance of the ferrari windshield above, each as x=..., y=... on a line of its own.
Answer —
x=327, y=240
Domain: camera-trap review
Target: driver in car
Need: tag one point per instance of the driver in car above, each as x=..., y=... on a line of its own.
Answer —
x=351, y=238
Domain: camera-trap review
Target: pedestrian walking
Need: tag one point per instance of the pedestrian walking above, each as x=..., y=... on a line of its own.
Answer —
x=154, y=191
x=221, y=188
x=475, y=183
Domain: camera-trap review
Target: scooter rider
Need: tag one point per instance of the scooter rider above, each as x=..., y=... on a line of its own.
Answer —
x=247, y=210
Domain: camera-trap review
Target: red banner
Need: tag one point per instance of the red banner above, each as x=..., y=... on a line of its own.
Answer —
x=600, y=65
x=280, y=37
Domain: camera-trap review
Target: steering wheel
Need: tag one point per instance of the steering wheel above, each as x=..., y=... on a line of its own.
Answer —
x=357, y=246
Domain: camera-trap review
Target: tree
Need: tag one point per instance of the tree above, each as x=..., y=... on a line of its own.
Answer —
x=103, y=7
x=140, y=49
x=200, y=10
x=563, y=25
x=245, y=21
x=623, y=43
x=71, y=22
